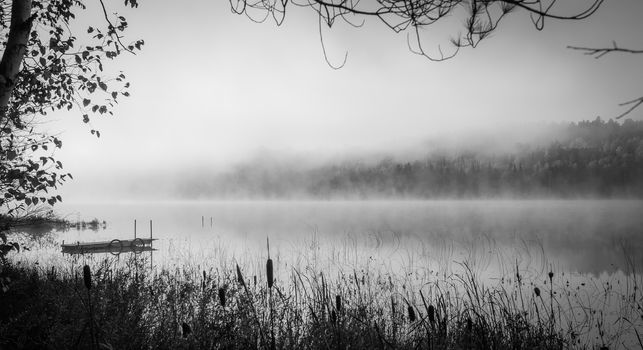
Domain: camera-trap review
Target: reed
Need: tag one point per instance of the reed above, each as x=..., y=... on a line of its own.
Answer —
x=222, y=297
x=87, y=280
x=315, y=307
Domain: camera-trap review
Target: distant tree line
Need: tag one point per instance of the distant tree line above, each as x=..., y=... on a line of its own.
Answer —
x=592, y=159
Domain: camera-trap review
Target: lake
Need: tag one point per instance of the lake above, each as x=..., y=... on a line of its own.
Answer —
x=592, y=237
x=585, y=255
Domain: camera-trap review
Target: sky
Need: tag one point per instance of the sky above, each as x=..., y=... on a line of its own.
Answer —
x=212, y=89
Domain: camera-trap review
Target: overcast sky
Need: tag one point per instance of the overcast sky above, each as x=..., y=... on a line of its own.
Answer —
x=213, y=88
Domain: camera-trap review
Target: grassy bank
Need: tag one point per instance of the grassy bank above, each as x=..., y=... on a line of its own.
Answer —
x=130, y=306
x=39, y=220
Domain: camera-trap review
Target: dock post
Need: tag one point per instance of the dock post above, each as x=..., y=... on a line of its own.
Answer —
x=210, y=221
x=202, y=221
x=151, y=247
x=134, y=228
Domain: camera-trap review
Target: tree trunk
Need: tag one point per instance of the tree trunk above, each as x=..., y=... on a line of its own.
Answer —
x=15, y=50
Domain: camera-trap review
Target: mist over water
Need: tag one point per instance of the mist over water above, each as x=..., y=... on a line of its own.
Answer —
x=589, y=159
x=586, y=237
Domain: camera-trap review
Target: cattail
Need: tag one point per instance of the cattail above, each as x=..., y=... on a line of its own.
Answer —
x=203, y=282
x=255, y=279
x=431, y=313
x=222, y=296
x=269, y=273
x=186, y=329
x=551, y=275
x=411, y=314
x=338, y=302
x=87, y=277
x=240, y=277
x=537, y=291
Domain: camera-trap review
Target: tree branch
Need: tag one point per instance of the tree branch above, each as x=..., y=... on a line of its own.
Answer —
x=112, y=30
x=635, y=103
x=600, y=52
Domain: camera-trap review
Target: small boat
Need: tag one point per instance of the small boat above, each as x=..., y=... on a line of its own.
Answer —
x=115, y=246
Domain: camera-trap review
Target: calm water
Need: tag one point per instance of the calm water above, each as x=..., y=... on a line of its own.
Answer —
x=586, y=237
x=593, y=247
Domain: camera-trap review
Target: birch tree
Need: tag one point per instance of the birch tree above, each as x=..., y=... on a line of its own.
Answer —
x=46, y=67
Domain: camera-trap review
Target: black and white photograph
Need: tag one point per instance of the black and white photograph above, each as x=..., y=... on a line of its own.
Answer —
x=321, y=174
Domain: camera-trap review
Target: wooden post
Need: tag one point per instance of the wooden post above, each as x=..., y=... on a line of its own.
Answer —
x=202, y=221
x=151, y=247
x=134, y=228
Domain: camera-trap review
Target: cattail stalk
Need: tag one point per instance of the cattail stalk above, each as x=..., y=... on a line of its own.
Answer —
x=551, y=299
x=411, y=313
x=431, y=313
x=186, y=329
x=87, y=279
x=222, y=299
x=249, y=297
x=269, y=273
x=537, y=293
x=270, y=277
x=240, y=277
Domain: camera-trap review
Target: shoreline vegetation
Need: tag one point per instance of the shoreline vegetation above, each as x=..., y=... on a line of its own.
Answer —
x=36, y=222
x=96, y=302
x=43, y=218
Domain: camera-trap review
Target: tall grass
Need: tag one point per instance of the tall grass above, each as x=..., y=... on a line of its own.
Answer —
x=308, y=305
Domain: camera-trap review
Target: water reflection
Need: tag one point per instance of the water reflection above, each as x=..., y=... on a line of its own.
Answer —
x=587, y=237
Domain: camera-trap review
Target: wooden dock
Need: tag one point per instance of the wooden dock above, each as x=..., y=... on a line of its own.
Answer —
x=115, y=246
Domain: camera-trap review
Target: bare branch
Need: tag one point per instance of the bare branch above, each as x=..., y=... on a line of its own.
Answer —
x=635, y=103
x=600, y=52
x=482, y=19
x=321, y=39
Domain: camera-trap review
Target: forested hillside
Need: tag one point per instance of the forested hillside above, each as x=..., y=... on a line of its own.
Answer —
x=590, y=159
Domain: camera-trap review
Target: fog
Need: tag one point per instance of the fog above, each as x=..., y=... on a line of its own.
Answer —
x=536, y=160
x=214, y=92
